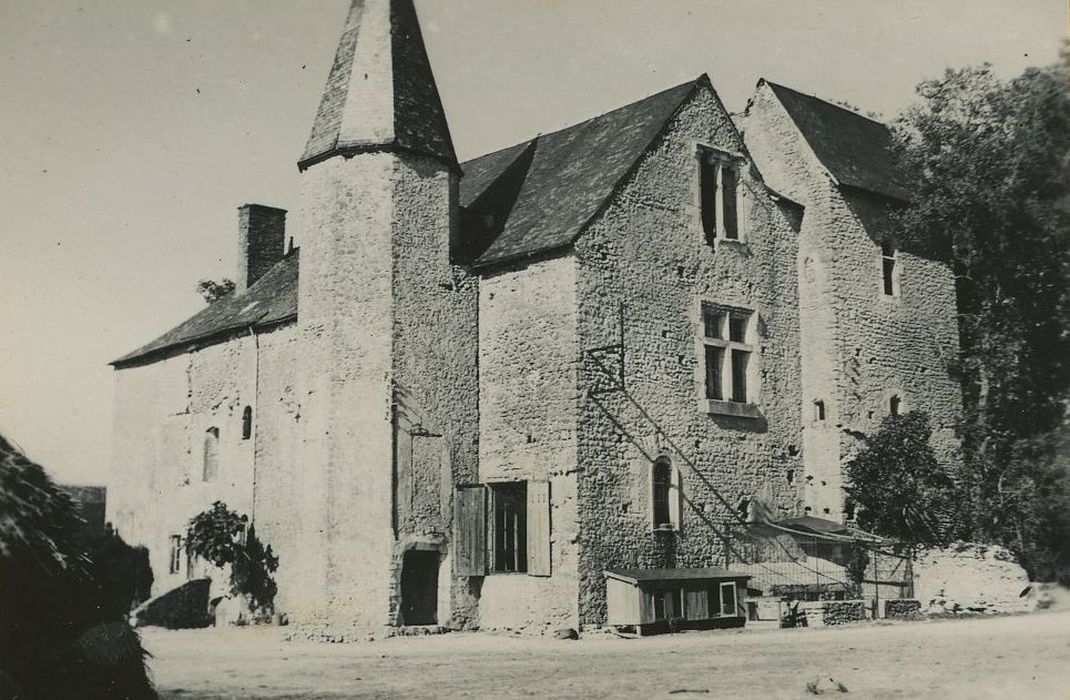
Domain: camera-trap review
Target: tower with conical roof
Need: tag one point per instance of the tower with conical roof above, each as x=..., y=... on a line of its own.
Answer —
x=387, y=340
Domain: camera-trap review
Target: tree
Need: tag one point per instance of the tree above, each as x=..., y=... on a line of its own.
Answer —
x=213, y=291
x=219, y=536
x=990, y=164
x=63, y=631
x=901, y=490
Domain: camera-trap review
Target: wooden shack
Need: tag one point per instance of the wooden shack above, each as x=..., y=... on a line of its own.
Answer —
x=653, y=600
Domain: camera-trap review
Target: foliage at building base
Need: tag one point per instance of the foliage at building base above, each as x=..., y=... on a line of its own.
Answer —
x=223, y=538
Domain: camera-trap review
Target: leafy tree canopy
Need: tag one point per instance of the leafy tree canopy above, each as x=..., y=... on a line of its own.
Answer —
x=990, y=165
x=899, y=487
x=213, y=291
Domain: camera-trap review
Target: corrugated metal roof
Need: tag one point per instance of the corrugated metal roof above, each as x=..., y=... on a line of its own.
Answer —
x=854, y=149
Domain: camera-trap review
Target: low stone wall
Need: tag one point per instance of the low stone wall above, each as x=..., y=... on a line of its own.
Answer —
x=901, y=608
x=967, y=577
x=840, y=612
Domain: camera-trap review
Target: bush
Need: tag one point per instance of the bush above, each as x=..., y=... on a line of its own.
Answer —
x=63, y=631
x=219, y=536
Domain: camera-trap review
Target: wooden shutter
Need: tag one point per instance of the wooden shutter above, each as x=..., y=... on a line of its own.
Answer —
x=470, y=531
x=538, y=528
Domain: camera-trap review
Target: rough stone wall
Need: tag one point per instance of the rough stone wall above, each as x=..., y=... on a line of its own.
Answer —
x=277, y=473
x=528, y=363
x=435, y=373
x=648, y=251
x=344, y=378
x=860, y=347
x=162, y=412
x=388, y=342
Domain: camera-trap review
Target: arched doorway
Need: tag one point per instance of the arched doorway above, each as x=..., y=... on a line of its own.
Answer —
x=419, y=587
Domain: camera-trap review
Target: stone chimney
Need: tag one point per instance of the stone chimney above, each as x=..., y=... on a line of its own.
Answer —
x=261, y=242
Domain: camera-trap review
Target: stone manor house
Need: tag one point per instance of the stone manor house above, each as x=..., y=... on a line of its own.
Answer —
x=476, y=386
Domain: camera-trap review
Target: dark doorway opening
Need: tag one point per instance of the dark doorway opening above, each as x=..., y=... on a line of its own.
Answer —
x=419, y=588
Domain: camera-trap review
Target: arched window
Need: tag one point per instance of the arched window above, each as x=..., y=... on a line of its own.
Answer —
x=211, y=453
x=247, y=423
x=894, y=405
x=662, y=486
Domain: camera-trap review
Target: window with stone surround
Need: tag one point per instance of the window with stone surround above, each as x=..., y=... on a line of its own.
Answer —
x=727, y=359
x=720, y=192
x=664, y=495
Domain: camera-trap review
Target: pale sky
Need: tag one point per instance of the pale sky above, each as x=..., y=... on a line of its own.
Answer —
x=133, y=129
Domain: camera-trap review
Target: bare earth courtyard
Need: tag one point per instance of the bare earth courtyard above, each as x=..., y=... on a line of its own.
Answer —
x=1026, y=656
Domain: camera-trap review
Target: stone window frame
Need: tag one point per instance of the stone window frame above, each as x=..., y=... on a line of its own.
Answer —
x=673, y=496
x=739, y=165
x=750, y=344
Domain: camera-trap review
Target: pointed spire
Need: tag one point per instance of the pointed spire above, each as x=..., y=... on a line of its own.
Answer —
x=381, y=92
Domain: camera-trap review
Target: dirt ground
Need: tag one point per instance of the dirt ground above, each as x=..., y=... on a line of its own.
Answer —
x=1024, y=656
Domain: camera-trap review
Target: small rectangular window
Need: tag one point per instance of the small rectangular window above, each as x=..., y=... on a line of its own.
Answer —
x=713, y=322
x=714, y=358
x=740, y=358
x=737, y=329
x=510, y=527
x=175, y=564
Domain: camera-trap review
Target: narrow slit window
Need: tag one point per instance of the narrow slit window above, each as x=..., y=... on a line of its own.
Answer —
x=819, y=410
x=247, y=423
x=175, y=563
x=729, y=187
x=662, y=478
x=894, y=404
x=888, y=268
x=708, y=170
x=211, y=454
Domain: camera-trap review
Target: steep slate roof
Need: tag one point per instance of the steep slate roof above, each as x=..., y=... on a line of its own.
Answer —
x=381, y=91
x=572, y=174
x=854, y=149
x=271, y=299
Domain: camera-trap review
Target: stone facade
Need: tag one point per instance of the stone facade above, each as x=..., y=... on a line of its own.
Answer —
x=862, y=347
x=564, y=387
